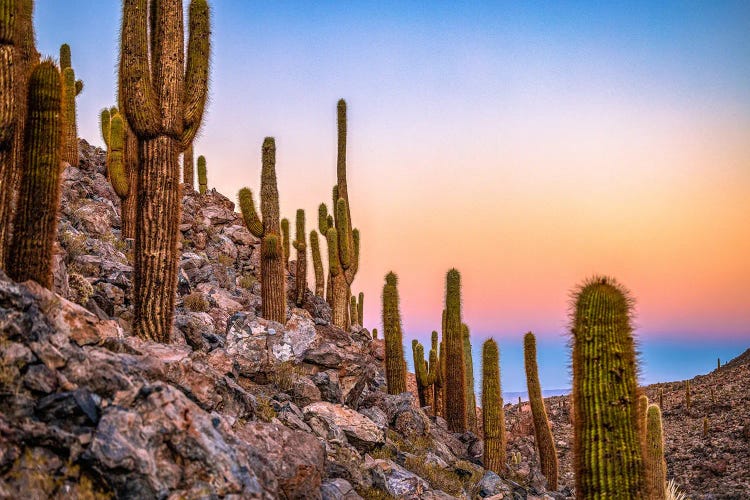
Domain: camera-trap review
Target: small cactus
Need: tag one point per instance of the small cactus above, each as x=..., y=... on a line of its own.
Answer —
x=317, y=264
x=705, y=427
x=493, y=415
x=353, y=310
x=455, y=365
x=31, y=249
x=202, y=175
x=300, y=245
x=653, y=460
x=273, y=282
x=542, y=432
x=718, y=363
x=421, y=373
x=374, y=334
x=608, y=462
x=661, y=398
x=361, y=309
x=395, y=365
x=285, y=240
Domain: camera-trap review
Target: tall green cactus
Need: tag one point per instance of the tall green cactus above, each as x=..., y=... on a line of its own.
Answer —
x=71, y=89
x=31, y=249
x=471, y=401
x=18, y=58
x=343, y=240
x=285, y=240
x=202, y=175
x=607, y=448
x=361, y=309
x=437, y=370
x=493, y=415
x=545, y=443
x=188, y=168
x=300, y=244
x=455, y=365
x=655, y=466
x=395, y=365
x=421, y=372
x=163, y=90
x=273, y=282
x=317, y=264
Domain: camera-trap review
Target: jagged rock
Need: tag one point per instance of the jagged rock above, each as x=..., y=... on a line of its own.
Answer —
x=304, y=392
x=395, y=480
x=328, y=384
x=360, y=431
x=411, y=422
x=338, y=489
x=492, y=485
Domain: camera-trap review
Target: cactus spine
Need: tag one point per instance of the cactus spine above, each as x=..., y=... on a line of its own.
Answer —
x=471, y=402
x=493, y=415
x=30, y=252
x=395, y=365
x=455, y=366
x=317, y=264
x=421, y=372
x=188, y=168
x=545, y=443
x=202, y=175
x=655, y=467
x=163, y=95
x=343, y=240
x=71, y=88
x=18, y=58
x=273, y=280
x=606, y=425
x=300, y=244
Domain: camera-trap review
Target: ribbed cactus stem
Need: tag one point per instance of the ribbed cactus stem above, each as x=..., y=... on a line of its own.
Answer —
x=655, y=467
x=163, y=90
x=421, y=372
x=395, y=365
x=31, y=249
x=361, y=308
x=317, y=264
x=471, y=402
x=300, y=245
x=70, y=149
x=202, y=175
x=455, y=366
x=608, y=461
x=545, y=443
x=493, y=415
x=116, y=158
x=188, y=168
x=285, y=240
x=273, y=282
x=353, y=310
x=65, y=59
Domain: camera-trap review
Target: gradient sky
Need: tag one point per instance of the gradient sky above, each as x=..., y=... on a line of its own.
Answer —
x=528, y=144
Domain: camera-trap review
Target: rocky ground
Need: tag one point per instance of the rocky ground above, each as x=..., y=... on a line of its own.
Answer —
x=240, y=407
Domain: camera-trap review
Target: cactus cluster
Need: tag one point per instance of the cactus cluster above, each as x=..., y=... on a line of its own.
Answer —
x=426, y=371
x=356, y=309
x=163, y=91
x=493, y=415
x=395, y=364
x=607, y=446
x=267, y=227
x=342, y=238
x=542, y=432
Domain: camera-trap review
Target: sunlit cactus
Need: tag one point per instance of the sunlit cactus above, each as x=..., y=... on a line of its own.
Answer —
x=300, y=244
x=471, y=402
x=545, y=443
x=31, y=249
x=163, y=90
x=71, y=88
x=317, y=264
x=455, y=366
x=202, y=175
x=607, y=447
x=395, y=364
x=493, y=416
x=655, y=467
x=273, y=283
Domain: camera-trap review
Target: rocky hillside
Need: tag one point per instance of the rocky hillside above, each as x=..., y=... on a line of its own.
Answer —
x=240, y=407
x=235, y=407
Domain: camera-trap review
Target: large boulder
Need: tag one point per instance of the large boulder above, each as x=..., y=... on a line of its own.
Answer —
x=360, y=431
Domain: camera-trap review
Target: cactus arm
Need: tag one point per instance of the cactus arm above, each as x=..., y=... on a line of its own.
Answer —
x=334, y=266
x=79, y=87
x=116, y=157
x=196, y=72
x=317, y=263
x=285, y=238
x=249, y=214
x=65, y=60
x=138, y=95
x=323, y=219
x=345, y=247
x=104, y=122
x=354, y=266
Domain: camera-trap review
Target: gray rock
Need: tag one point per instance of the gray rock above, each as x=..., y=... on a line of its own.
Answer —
x=395, y=480
x=360, y=431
